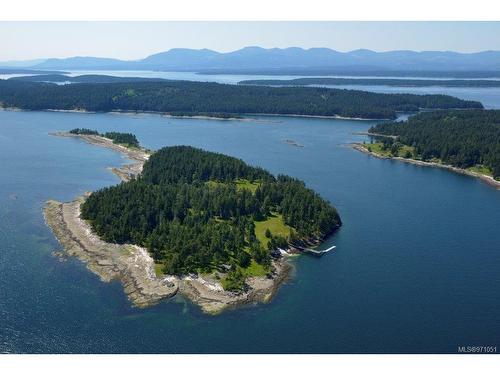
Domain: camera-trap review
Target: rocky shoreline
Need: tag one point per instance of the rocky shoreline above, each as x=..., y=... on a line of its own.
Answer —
x=128, y=263
x=133, y=266
x=487, y=179
x=124, y=172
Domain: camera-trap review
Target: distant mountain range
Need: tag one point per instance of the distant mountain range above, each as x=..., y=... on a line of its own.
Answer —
x=275, y=60
x=21, y=63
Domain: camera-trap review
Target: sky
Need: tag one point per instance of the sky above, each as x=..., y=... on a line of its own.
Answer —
x=136, y=40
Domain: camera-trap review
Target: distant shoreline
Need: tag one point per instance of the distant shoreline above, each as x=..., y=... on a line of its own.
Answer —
x=244, y=116
x=133, y=265
x=485, y=178
x=339, y=82
x=163, y=114
x=334, y=117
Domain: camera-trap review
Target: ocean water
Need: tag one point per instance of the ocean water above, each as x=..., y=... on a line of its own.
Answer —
x=416, y=268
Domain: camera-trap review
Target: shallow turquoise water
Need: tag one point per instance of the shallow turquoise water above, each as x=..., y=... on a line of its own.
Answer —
x=416, y=267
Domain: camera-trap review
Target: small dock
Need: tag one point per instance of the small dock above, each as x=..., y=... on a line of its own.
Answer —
x=315, y=252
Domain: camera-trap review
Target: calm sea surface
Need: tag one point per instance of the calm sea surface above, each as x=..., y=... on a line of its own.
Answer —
x=416, y=267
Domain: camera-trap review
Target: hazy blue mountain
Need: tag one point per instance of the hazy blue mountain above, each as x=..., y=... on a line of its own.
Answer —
x=13, y=70
x=80, y=62
x=179, y=58
x=86, y=78
x=20, y=63
x=260, y=59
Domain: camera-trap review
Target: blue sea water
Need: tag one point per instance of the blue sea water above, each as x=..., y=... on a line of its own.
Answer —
x=416, y=269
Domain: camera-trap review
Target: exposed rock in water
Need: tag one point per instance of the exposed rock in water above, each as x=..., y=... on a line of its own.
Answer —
x=61, y=256
x=128, y=263
x=291, y=142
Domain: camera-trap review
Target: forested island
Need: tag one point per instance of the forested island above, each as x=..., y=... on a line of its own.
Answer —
x=184, y=98
x=402, y=82
x=468, y=141
x=197, y=212
x=211, y=226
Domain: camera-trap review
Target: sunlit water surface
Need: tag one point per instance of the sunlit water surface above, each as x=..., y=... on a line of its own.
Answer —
x=416, y=267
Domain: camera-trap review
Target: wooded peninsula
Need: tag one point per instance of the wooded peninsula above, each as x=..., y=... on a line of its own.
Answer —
x=467, y=140
x=185, y=98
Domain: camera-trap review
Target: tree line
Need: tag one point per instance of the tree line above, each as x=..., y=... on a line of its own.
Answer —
x=127, y=139
x=460, y=138
x=195, y=98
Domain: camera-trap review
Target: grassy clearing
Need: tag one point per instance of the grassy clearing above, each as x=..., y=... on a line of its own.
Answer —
x=245, y=184
x=159, y=270
x=213, y=184
x=130, y=92
x=376, y=148
x=254, y=269
x=275, y=224
x=240, y=184
x=481, y=169
x=403, y=151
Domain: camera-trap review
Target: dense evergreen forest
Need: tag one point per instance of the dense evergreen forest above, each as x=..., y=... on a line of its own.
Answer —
x=460, y=138
x=197, y=211
x=84, y=131
x=374, y=82
x=195, y=98
x=126, y=139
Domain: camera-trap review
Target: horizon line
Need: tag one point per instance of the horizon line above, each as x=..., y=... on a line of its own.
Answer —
x=248, y=47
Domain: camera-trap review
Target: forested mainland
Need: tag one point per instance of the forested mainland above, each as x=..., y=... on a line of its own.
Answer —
x=463, y=139
x=198, y=211
x=220, y=100
x=401, y=82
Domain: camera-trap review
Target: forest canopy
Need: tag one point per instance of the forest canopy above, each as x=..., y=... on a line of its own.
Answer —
x=374, y=82
x=463, y=139
x=197, y=211
x=126, y=139
x=205, y=98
